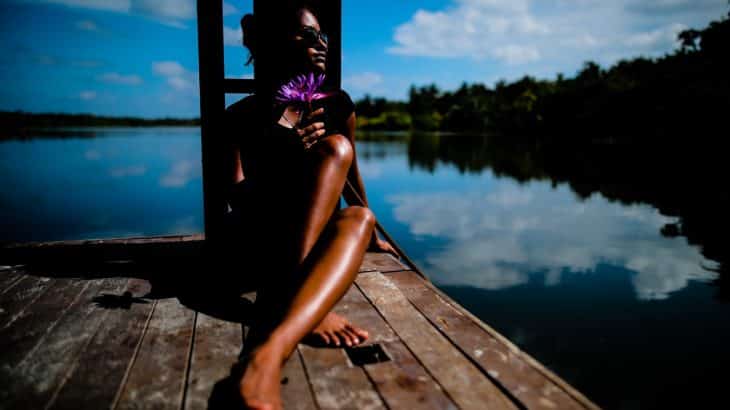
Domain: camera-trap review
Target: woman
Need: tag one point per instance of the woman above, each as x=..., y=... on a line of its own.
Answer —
x=289, y=167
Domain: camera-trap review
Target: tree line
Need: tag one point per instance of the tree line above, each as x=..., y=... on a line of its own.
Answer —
x=687, y=90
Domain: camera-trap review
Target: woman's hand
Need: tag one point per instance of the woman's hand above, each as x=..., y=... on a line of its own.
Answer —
x=313, y=132
x=379, y=245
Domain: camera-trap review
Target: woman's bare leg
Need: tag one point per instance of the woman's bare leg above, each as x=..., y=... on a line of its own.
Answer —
x=328, y=163
x=327, y=252
x=331, y=268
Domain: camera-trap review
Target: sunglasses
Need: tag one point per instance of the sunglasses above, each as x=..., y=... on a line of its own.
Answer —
x=312, y=36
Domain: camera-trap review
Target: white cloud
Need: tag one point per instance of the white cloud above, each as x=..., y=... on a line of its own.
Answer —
x=87, y=25
x=181, y=173
x=363, y=81
x=664, y=37
x=128, y=171
x=496, y=238
x=554, y=33
x=229, y=9
x=516, y=54
x=108, y=5
x=87, y=95
x=116, y=78
x=232, y=36
x=178, y=77
x=170, y=12
x=472, y=28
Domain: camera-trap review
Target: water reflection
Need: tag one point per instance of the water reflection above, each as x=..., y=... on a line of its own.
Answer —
x=501, y=234
x=125, y=182
x=676, y=193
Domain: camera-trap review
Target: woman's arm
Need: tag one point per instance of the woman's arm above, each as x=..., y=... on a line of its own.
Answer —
x=356, y=180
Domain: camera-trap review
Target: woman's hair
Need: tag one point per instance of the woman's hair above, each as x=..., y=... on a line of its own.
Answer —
x=279, y=31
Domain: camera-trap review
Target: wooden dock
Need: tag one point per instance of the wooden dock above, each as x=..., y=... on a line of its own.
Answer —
x=96, y=329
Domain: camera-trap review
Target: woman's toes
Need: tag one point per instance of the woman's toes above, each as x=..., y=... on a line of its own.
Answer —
x=334, y=337
x=360, y=333
x=325, y=337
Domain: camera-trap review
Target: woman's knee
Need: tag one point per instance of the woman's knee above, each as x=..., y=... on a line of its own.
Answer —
x=335, y=146
x=364, y=216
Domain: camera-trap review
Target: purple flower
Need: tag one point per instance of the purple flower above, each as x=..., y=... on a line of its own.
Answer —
x=303, y=89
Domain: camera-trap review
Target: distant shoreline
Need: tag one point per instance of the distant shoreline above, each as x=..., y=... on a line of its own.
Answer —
x=21, y=119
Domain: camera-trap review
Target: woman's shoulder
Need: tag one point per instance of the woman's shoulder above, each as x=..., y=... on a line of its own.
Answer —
x=244, y=106
x=342, y=103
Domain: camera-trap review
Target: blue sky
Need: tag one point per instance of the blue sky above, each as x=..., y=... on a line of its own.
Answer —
x=139, y=57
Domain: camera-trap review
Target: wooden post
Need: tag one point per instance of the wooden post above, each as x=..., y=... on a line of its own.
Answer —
x=212, y=109
x=213, y=87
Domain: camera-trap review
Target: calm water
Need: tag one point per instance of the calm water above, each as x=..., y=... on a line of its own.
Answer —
x=610, y=294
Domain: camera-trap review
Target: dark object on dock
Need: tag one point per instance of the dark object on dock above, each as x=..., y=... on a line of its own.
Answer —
x=61, y=349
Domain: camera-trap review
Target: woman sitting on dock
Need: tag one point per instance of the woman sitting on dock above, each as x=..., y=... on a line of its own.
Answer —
x=292, y=152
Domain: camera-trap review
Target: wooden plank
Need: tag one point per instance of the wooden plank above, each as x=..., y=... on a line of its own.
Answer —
x=106, y=241
x=296, y=393
x=358, y=310
x=336, y=383
x=401, y=382
x=381, y=262
x=39, y=318
x=467, y=386
x=33, y=382
x=216, y=345
x=22, y=295
x=97, y=374
x=503, y=364
x=450, y=316
x=157, y=377
x=8, y=278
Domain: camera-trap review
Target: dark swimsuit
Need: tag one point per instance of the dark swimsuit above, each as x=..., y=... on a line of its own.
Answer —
x=259, y=201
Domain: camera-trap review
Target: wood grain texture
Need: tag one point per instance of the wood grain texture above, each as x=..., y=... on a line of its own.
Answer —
x=296, y=393
x=22, y=295
x=381, y=262
x=216, y=346
x=97, y=375
x=513, y=350
x=34, y=322
x=336, y=383
x=503, y=364
x=467, y=386
x=401, y=382
x=41, y=374
x=8, y=278
x=156, y=379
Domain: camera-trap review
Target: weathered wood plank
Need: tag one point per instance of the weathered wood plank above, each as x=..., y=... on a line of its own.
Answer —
x=336, y=383
x=381, y=262
x=216, y=345
x=8, y=278
x=296, y=393
x=38, y=319
x=401, y=382
x=503, y=364
x=157, y=377
x=33, y=382
x=463, y=381
x=22, y=295
x=95, y=378
x=358, y=310
x=110, y=241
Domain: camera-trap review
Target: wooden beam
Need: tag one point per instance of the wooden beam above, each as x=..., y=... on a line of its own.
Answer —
x=239, y=86
x=212, y=109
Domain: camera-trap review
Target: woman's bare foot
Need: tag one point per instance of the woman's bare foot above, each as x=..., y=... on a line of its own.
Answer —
x=260, y=384
x=335, y=330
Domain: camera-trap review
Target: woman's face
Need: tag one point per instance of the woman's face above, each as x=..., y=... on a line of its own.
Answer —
x=309, y=44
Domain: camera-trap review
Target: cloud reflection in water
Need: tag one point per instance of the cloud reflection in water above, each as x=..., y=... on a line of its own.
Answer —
x=496, y=238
